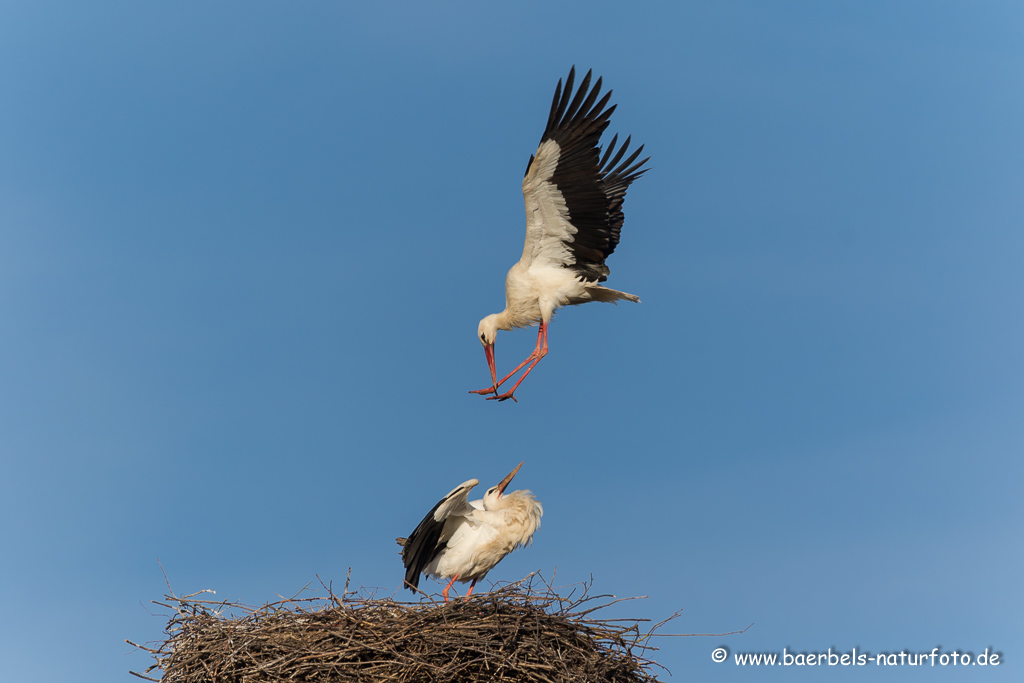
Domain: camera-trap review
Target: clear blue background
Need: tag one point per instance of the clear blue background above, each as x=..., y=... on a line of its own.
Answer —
x=244, y=248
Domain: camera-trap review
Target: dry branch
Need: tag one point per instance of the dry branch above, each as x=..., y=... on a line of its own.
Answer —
x=522, y=632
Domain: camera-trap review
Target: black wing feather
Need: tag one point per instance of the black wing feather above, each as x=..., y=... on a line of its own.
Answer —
x=424, y=543
x=593, y=187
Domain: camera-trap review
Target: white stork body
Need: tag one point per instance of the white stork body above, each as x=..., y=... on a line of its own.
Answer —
x=462, y=540
x=574, y=216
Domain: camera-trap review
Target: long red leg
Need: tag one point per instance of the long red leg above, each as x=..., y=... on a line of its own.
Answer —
x=490, y=390
x=538, y=353
x=470, y=591
x=448, y=587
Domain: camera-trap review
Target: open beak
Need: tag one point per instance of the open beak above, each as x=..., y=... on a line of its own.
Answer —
x=489, y=352
x=508, y=480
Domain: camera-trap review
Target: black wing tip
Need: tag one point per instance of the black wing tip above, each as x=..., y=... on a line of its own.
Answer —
x=574, y=113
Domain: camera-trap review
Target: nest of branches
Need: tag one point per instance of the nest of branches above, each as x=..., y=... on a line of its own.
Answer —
x=520, y=632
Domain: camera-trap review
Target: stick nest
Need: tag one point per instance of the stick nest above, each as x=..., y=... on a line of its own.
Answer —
x=521, y=632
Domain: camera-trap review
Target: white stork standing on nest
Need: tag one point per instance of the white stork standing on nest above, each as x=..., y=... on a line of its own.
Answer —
x=462, y=540
x=574, y=216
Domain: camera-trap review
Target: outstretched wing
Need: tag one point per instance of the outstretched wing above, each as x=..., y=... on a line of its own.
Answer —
x=574, y=195
x=424, y=542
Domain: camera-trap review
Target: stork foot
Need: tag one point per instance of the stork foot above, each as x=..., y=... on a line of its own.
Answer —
x=504, y=397
x=484, y=392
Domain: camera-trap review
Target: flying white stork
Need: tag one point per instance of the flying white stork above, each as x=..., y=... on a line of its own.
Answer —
x=574, y=216
x=463, y=540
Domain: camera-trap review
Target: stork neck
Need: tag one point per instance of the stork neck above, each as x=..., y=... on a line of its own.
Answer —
x=511, y=319
x=505, y=320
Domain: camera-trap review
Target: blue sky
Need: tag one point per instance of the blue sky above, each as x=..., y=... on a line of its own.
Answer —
x=244, y=248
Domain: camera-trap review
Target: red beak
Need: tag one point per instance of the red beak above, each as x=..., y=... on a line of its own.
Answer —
x=489, y=352
x=508, y=480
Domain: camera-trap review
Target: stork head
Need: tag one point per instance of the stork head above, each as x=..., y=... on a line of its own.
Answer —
x=488, y=329
x=488, y=332
x=492, y=499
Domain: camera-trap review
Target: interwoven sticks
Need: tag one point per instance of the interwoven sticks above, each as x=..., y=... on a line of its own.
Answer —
x=514, y=633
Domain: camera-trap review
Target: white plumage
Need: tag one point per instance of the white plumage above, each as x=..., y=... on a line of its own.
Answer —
x=574, y=217
x=462, y=540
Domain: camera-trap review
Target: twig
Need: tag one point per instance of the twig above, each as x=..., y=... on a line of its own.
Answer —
x=526, y=631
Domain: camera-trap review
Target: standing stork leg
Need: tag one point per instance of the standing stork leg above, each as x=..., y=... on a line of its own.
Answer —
x=538, y=353
x=448, y=587
x=471, y=586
